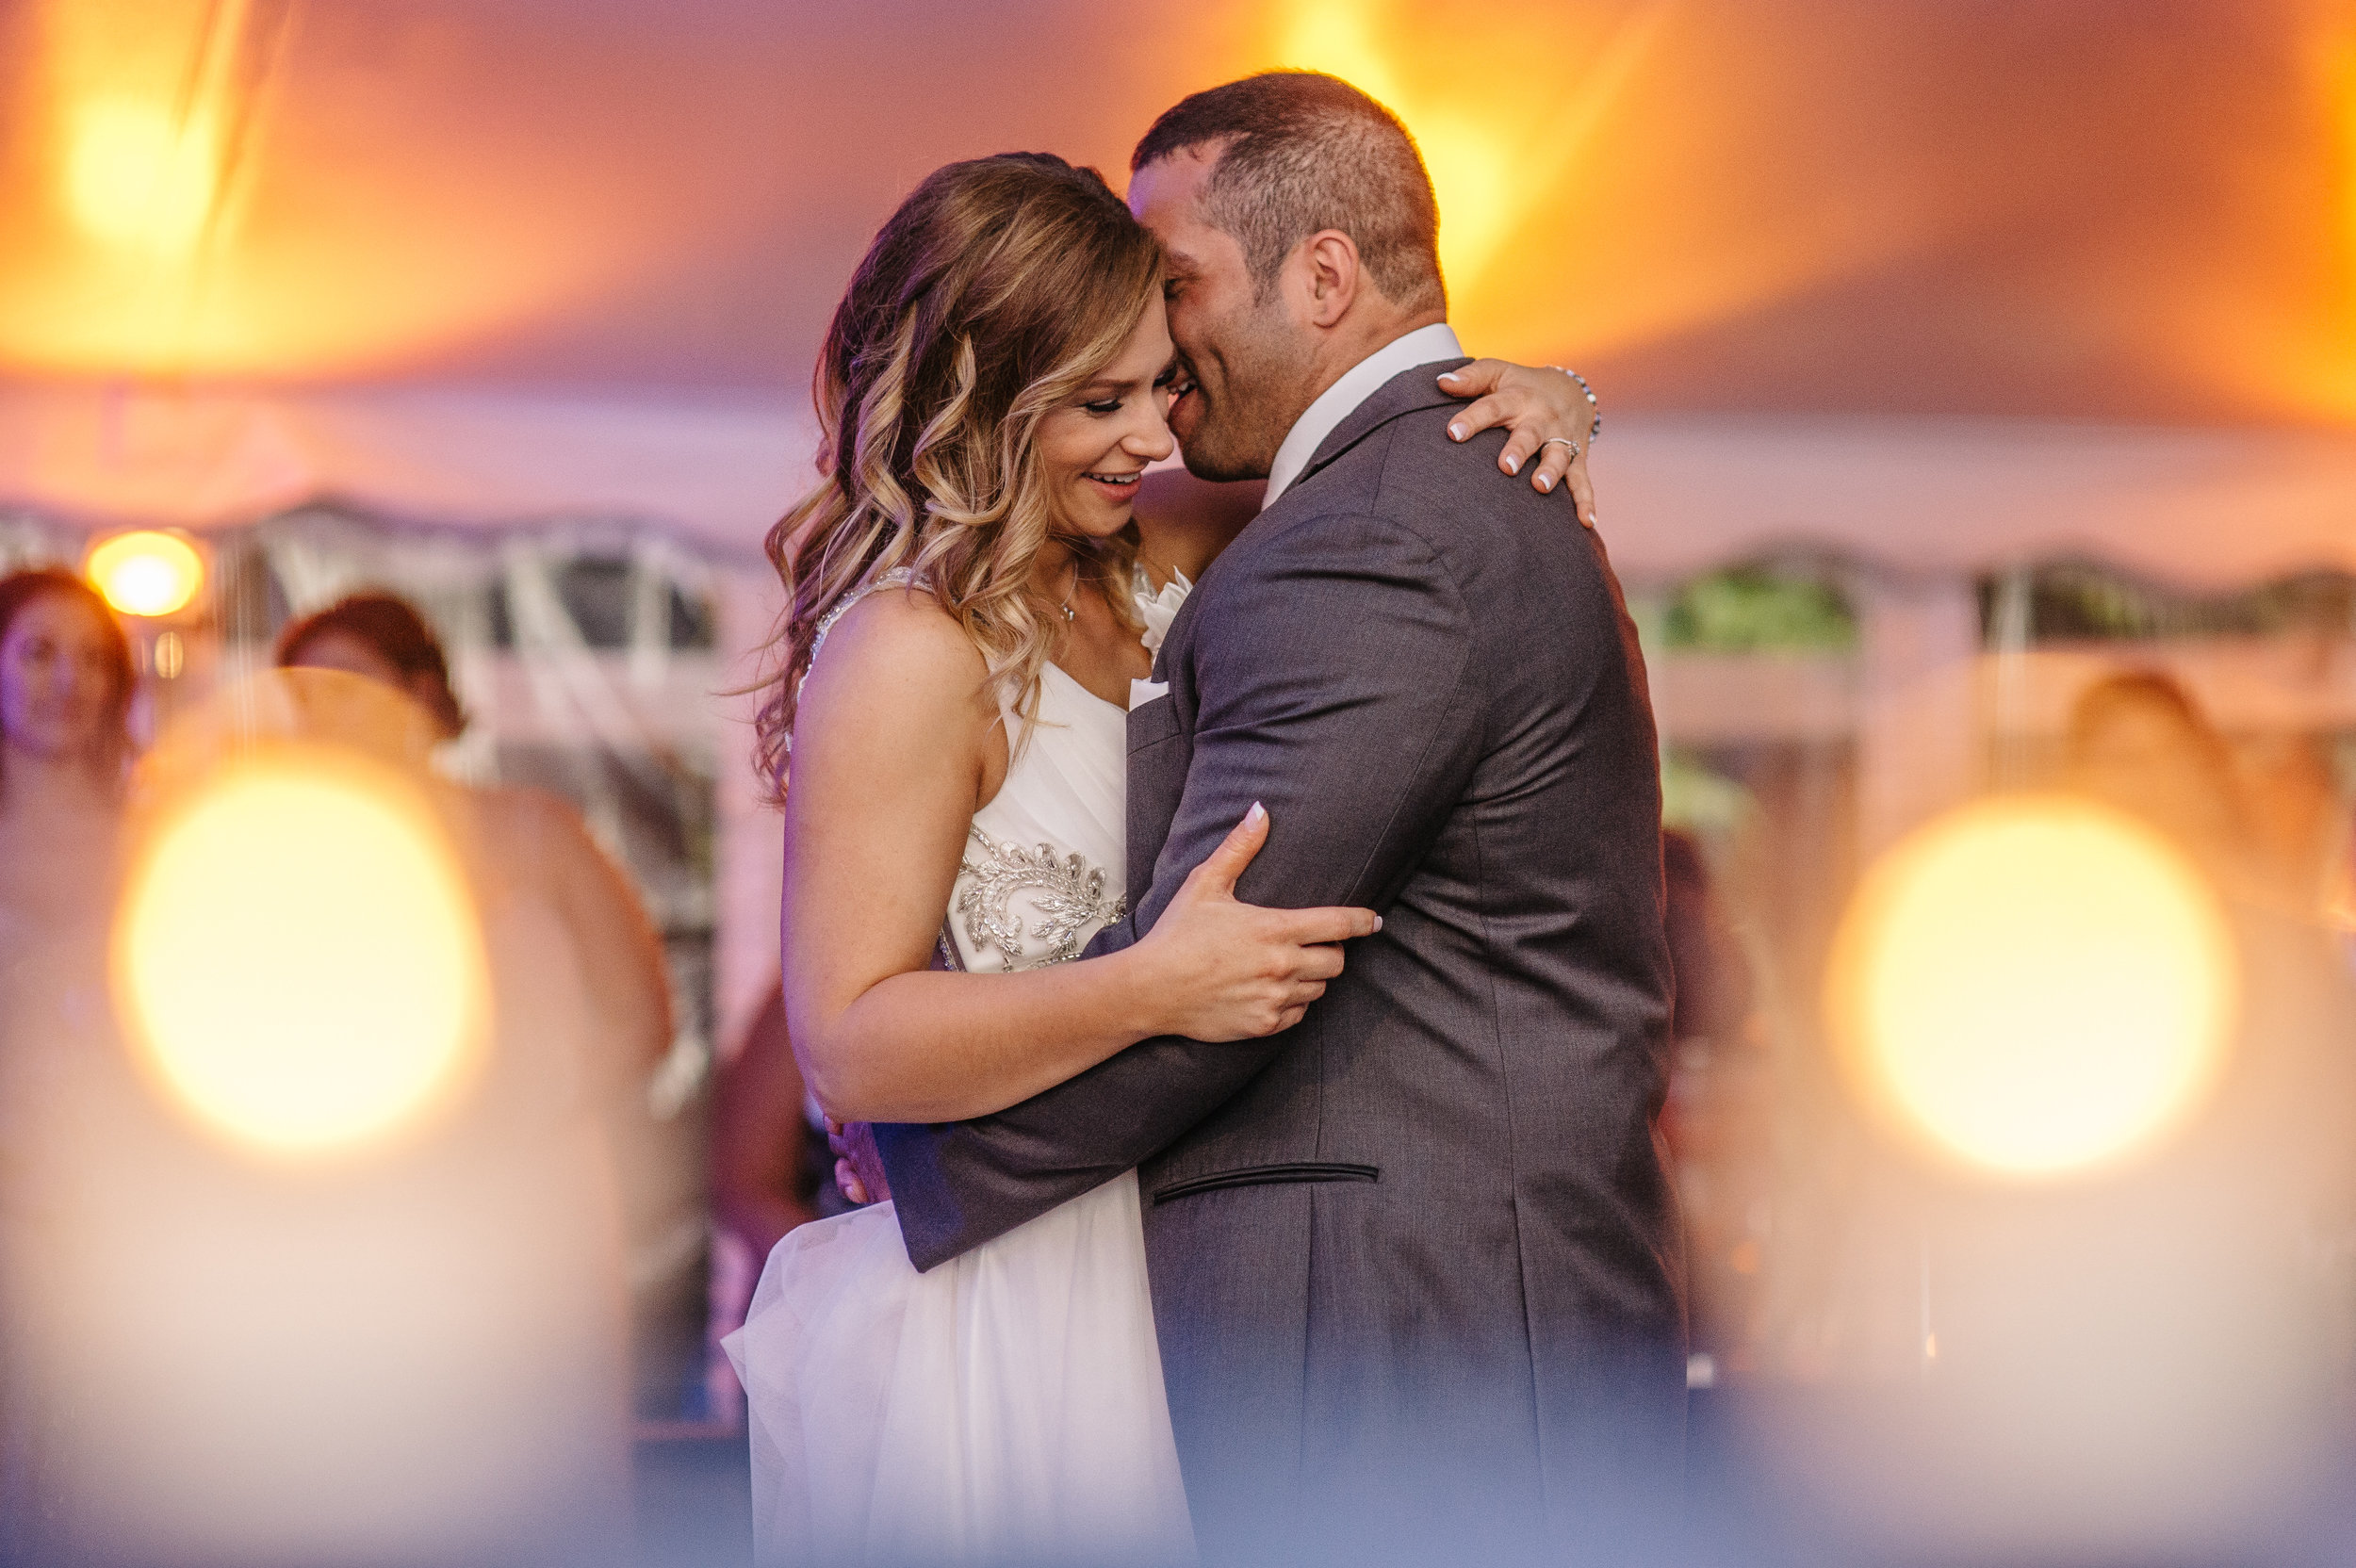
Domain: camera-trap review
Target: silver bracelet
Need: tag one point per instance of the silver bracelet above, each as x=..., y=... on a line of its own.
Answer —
x=1596, y=429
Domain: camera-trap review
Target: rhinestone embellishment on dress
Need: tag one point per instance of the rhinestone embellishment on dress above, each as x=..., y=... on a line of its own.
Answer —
x=1067, y=896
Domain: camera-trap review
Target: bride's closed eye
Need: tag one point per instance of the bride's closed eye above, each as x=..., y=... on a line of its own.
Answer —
x=1107, y=407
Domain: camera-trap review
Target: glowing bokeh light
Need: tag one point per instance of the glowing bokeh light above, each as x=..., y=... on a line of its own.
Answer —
x=1469, y=162
x=136, y=176
x=298, y=955
x=146, y=573
x=1495, y=155
x=204, y=197
x=2036, y=985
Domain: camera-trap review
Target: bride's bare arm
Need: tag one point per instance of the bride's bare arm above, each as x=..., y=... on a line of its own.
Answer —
x=895, y=745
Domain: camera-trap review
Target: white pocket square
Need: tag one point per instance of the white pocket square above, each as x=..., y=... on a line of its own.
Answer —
x=1143, y=692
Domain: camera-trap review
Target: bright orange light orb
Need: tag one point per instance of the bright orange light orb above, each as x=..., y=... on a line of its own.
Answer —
x=135, y=175
x=146, y=573
x=298, y=955
x=2036, y=985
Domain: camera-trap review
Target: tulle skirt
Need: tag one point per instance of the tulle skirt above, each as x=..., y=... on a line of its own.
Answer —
x=1005, y=1408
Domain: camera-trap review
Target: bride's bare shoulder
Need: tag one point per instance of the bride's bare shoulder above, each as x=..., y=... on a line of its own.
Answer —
x=895, y=650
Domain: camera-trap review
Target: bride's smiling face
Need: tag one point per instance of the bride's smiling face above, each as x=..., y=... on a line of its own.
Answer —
x=1095, y=449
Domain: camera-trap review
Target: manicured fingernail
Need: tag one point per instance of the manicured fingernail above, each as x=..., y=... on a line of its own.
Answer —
x=1378, y=923
x=1447, y=375
x=1545, y=482
x=1456, y=432
x=1257, y=815
x=1513, y=464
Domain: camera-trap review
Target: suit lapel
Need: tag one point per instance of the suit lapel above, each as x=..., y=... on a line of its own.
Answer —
x=1405, y=393
x=1160, y=734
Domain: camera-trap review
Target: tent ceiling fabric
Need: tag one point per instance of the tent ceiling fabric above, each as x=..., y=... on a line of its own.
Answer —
x=481, y=260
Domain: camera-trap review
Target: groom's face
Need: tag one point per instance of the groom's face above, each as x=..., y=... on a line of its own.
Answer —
x=1240, y=356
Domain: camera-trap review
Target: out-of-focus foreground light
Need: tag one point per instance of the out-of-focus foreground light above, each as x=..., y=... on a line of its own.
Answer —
x=299, y=957
x=146, y=573
x=2036, y=985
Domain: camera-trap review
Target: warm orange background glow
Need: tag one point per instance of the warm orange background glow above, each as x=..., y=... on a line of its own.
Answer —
x=1874, y=207
x=134, y=177
x=1508, y=132
x=1848, y=206
x=235, y=190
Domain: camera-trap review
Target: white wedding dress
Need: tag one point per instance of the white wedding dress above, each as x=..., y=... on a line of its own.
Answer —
x=1006, y=1408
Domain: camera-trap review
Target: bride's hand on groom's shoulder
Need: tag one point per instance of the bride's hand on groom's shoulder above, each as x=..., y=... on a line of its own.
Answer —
x=1546, y=413
x=1219, y=969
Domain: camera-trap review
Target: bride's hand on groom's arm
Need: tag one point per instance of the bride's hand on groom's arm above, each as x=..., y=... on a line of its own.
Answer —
x=1217, y=969
x=1544, y=412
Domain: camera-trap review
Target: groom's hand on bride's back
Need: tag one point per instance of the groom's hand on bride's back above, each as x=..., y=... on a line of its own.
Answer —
x=1217, y=969
x=858, y=1170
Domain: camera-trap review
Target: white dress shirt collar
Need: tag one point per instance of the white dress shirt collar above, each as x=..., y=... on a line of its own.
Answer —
x=1360, y=381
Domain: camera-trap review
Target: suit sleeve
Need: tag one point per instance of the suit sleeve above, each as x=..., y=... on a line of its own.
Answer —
x=1331, y=673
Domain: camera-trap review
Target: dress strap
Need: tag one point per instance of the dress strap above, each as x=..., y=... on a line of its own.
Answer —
x=899, y=576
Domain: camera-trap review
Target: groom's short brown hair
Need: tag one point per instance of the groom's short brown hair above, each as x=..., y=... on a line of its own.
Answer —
x=1299, y=151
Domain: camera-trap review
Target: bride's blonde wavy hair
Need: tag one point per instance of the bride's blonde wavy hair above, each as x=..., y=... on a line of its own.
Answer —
x=999, y=290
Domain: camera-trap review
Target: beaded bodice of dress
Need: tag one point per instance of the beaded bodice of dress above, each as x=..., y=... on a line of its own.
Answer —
x=1044, y=858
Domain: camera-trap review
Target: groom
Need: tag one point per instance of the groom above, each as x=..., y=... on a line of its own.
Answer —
x=1415, y=1262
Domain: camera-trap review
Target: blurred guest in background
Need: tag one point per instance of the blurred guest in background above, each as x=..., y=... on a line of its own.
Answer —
x=540, y=841
x=771, y=1169
x=2270, y=1158
x=65, y=690
x=2137, y=741
x=2260, y=814
x=66, y=683
x=582, y=1017
x=1718, y=1114
x=2147, y=1358
x=2296, y=816
x=1713, y=974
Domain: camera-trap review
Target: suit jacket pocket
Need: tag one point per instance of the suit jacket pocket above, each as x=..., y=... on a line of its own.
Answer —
x=1265, y=1175
x=1152, y=723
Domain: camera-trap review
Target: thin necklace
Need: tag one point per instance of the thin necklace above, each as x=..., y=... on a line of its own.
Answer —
x=1066, y=606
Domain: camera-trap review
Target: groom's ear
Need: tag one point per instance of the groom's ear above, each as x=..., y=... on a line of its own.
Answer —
x=1329, y=275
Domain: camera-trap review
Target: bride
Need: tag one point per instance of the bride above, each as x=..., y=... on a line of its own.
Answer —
x=968, y=612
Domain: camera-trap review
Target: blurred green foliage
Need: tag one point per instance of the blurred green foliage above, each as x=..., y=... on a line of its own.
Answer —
x=1700, y=800
x=1756, y=608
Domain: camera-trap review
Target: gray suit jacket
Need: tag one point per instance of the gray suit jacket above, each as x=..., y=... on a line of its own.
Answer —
x=1415, y=1262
